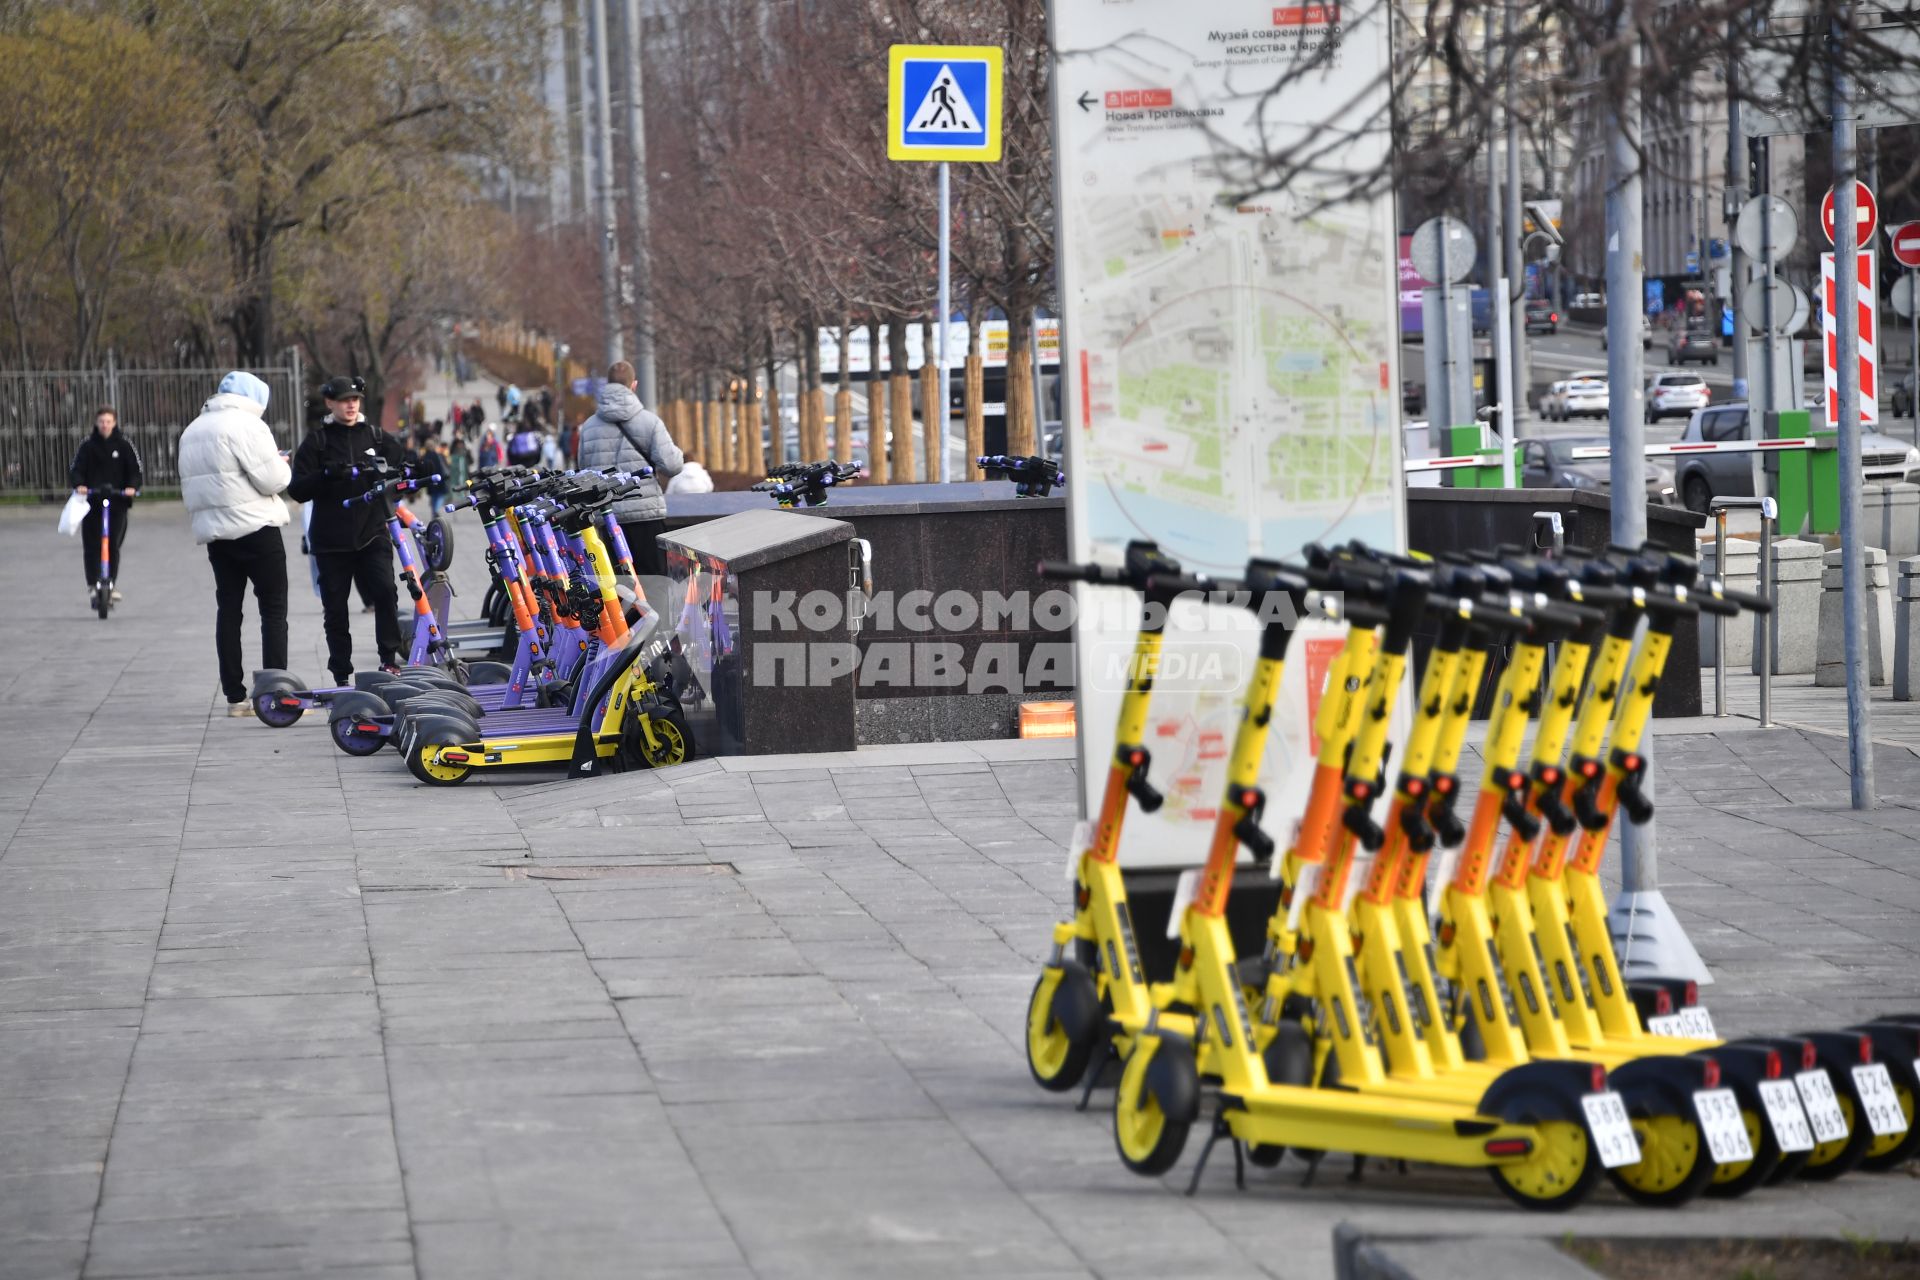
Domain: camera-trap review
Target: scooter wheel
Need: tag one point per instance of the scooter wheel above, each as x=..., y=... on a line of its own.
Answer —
x=1150, y=1136
x=1733, y=1180
x=1674, y=1164
x=103, y=600
x=1895, y=1149
x=274, y=712
x=1289, y=1060
x=356, y=737
x=673, y=741
x=1058, y=1059
x=1843, y=1155
x=423, y=764
x=1557, y=1174
x=436, y=545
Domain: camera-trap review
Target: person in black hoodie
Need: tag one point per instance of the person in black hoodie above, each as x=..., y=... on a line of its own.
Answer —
x=349, y=544
x=105, y=466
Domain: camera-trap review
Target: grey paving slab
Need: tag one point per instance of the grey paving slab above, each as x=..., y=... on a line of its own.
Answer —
x=265, y=1010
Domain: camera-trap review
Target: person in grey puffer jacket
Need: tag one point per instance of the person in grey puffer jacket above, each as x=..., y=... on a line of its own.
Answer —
x=624, y=434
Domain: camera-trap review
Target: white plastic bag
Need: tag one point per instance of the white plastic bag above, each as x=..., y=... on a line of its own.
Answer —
x=73, y=513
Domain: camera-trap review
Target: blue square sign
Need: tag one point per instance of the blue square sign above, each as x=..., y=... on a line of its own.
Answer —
x=943, y=103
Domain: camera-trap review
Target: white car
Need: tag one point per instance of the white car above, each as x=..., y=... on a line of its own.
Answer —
x=1646, y=334
x=1581, y=396
x=1676, y=395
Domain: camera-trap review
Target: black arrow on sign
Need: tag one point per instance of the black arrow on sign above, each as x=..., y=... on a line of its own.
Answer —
x=1086, y=101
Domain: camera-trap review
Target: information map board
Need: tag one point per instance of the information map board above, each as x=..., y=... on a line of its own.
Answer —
x=1229, y=352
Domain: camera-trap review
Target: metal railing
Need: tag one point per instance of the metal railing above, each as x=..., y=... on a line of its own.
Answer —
x=1763, y=581
x=45, y=413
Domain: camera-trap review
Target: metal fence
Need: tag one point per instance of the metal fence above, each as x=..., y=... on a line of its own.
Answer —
x=45, y=413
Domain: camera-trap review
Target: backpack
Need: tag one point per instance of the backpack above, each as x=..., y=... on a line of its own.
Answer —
x=524, y=447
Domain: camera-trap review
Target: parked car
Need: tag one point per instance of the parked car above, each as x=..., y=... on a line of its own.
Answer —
x=1589, y=299
x=1675, y=395
x=1541, y=317
x=1646, y=334
x=1694, y=344
x=1547, y=462
x=1580, y=396
x=1706, y=476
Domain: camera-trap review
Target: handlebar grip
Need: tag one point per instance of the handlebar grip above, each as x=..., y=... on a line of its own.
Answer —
x=1179, y=584
x=1715, y=605
x=1493, y=614
x=1362, y=613
x=1747, y=600
x=1068, y=571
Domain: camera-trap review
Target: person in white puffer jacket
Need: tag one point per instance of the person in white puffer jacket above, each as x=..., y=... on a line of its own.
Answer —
x=231, y=475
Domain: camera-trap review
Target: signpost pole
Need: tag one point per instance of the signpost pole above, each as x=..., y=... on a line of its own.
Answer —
x=1768, y=353
x=1913, y=331
x=1846, y=316
x=940, y=334
x=1648, y=937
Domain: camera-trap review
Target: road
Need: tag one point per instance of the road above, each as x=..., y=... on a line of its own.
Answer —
x=1553, y=356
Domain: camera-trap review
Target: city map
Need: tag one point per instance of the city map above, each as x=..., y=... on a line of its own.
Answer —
x=1231, y=360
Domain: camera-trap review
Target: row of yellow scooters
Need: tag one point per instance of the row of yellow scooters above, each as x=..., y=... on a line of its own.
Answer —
x=1495, y=1032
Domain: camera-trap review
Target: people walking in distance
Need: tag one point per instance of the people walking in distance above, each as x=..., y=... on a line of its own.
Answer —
x=231, y=476
x=105, y=466
x=350, y=542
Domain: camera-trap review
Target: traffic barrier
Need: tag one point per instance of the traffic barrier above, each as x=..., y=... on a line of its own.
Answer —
x=1906, y=613
x=1677, y=448
x=1831, y=670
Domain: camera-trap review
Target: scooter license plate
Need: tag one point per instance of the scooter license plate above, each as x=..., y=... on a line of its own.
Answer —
x=1875, y=1084
x=1690, y=1023
x=1823, y=1108
x=1697, y=1023
x=1784, y=1112
x=1720, y=1122
x=1611, y=1131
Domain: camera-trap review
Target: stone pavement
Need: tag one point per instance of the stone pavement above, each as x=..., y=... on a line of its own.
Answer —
x=266, y=1010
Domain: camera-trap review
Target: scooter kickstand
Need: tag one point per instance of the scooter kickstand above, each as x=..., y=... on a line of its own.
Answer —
x=1220, y=1130
x=1095, y=1071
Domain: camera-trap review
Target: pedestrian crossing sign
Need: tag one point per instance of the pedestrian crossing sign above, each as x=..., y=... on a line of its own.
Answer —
x=943, y=102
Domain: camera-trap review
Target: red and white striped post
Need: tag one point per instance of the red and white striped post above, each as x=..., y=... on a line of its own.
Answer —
x=1867, y=310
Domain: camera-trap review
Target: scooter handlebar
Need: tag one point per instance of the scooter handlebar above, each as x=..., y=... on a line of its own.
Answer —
x=1169, y=585
x=1105, y=575
x=1743, y=599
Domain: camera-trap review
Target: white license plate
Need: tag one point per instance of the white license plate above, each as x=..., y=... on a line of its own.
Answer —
x=1611, y=1131
x=1184, y=893
x=1726, y=1134
x=1077, y=845
x=1784, y=1112
x=1875, y=1084
x=1698, y=1023
x=1823, y=1108
x=1690, y=1023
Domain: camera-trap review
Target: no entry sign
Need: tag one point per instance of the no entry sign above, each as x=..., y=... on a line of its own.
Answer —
x=1906, y=243
x=1866, y=215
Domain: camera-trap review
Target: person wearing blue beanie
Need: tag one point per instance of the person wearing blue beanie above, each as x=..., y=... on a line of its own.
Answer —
x=242, y=383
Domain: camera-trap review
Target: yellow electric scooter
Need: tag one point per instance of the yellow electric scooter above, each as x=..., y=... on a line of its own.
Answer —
x=1092, y=994
x=1529, y=1129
